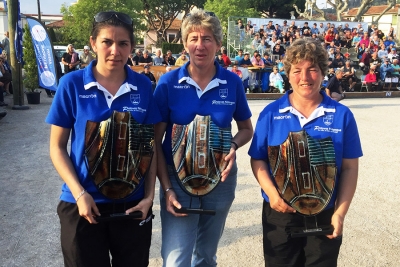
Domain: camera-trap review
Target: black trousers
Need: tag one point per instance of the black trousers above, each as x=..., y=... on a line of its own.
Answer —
x=281, y=250
x=87, y=245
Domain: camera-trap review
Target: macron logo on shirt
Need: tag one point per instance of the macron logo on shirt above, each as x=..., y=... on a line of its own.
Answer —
x=282, y=117
x=88, y=96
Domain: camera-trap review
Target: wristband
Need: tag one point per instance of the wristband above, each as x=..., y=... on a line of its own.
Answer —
x=166, y=190
x=236, y=145
x=80, y=194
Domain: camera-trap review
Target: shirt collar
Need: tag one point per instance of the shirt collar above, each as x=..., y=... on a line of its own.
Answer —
x=89, y=81
x=324, y=107
x=219, y=78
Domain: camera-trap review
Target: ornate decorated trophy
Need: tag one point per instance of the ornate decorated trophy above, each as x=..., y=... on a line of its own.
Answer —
x=304, y=169
x=118, y=154
x=198, y=152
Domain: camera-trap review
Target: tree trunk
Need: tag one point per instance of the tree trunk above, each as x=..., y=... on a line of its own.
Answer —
x=391, y=4
x=340, y=6
x=365, y=5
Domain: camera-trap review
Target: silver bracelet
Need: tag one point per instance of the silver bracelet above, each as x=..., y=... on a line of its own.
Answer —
x=166, y=190
x=80, y=194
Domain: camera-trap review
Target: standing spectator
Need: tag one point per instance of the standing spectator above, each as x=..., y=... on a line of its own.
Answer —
x=226, y=59
x=99, y=97
x=240, y=56
x=5, y=43
x=145, y=60
x=70, y=59
x=86, y=57
x=158, y=60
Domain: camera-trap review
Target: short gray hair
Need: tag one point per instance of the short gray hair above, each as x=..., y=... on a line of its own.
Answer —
x=199, y=19
x=338, y=71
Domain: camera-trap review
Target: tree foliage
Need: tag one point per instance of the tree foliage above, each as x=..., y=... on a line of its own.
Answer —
x=78, y=18
x=31, y=80
x=275, y=8
x=230, y=8
x=160, y=15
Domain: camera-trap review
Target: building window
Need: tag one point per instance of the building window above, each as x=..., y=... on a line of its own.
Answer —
x=171, y=37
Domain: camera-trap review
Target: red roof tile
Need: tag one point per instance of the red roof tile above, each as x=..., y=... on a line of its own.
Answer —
x=56, y=24
x=373, y=10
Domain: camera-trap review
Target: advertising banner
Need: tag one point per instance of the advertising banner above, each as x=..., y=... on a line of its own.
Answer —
x=44, y=55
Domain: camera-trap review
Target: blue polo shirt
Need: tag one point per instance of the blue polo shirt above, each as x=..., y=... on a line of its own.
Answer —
x=180, y=99
x=80, y=98
x=330, y=119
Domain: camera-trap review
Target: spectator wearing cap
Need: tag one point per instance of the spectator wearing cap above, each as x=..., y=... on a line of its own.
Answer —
x=392, y=55
x=86, y=57
x=145, y=60
x=386, y=69
x=146, y=72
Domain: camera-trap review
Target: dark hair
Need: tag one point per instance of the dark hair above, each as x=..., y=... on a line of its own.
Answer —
x=113, y=21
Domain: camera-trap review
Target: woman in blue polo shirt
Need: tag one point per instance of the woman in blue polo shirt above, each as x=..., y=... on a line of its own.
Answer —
x=105, y=108
x=199, y=88
x=305, y=152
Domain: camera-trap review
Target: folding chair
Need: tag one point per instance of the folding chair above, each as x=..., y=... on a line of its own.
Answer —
x=363, y=83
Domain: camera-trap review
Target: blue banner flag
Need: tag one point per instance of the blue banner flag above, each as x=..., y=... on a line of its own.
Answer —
x=5, y=5
x=44, y=54
x=18, y=38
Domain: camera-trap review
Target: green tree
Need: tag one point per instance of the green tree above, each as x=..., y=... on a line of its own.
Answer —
x=160, y=15
x=230, y=8
x=78, y=18
x=275, y=8
x=31, y=80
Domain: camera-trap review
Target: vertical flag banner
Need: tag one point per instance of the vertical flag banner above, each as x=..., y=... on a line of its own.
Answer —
x=44, y=54
x=5, y=5
x=18, y=37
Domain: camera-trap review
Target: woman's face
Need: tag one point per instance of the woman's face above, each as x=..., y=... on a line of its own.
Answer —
x=202, y=47
x=113, y=47
x=306, y=79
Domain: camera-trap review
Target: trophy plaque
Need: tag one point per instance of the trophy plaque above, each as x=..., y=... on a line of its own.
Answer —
x=118, y=153
x=198, y=152
x=304, y=169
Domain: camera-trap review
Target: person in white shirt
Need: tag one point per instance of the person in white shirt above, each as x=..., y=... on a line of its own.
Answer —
x=276, y=80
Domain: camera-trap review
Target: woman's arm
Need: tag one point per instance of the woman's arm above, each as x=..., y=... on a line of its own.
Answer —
x=260, y=171
x=59, y=155
x=162, y=172
x=244, y=135
x=347, y=188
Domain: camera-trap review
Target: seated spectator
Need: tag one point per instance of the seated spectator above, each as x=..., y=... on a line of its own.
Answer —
x=337, y=41
x=346, y=27
x=237, y=71
x=137, y=56
x=267, y=60
x=145, y=60
x=86, y=57
x=365, y=60
x=382, y=53
x=349, y=75
x=361, y=50
x=346, y=57
x=314, y=29
x=182, y=60
x=158, y=60
x=334, y=88
x=239, y=56
x=256, y=41
x=356, y=39
x=146, y=72
x=338, y=51
x=364, y=40
x=380, y=34
x=386, y=69
x=375, y=60
x=170, y=59
x=130, y=60
x=371, y=81
x=278, y=50
x=396, y=67
x=338, y=61
x=331, y=73
x=287, y=39
x=219, y=60
x=257, y=62
x=245, y=62
x=331, y=53
x=388, y=41
x=393, y=54
x=276, y=80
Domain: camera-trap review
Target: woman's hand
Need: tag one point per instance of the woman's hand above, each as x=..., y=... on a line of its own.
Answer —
x=87, y=208
x=230, y=158
x=172, y=202
x=337, y=223
x=144, y=206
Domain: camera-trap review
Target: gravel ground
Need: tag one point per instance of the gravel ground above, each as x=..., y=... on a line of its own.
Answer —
x=29, y=227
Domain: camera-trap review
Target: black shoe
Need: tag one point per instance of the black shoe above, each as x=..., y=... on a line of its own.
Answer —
x=2, y=104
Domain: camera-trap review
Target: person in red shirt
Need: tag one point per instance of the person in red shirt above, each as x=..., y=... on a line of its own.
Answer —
x=329, y=37
x=226, y=59
x=370, y=80
x=237, y=71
